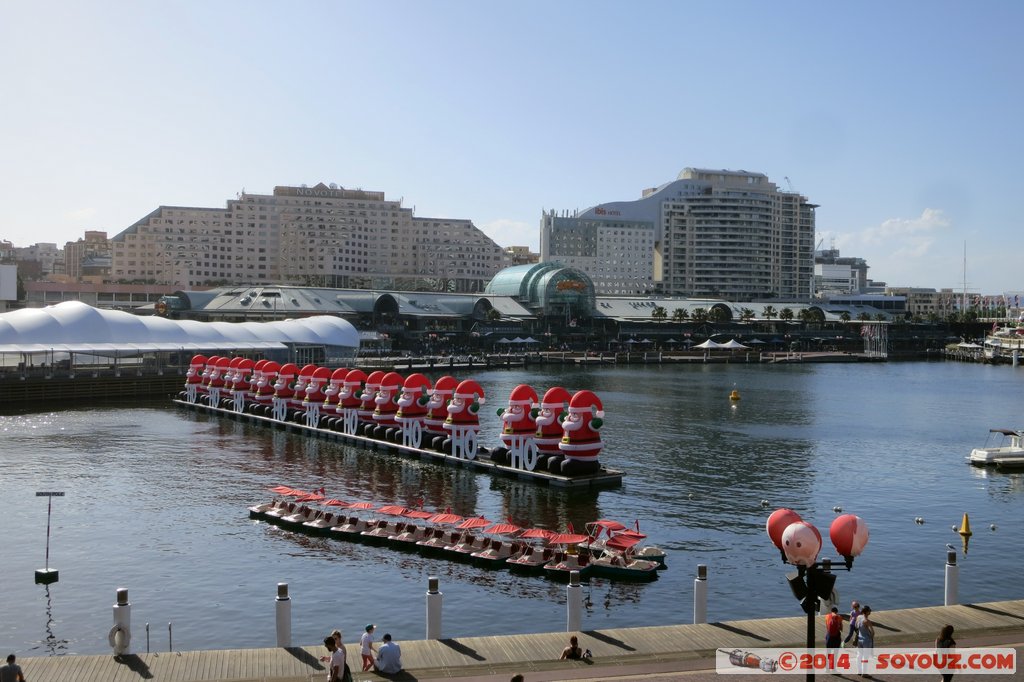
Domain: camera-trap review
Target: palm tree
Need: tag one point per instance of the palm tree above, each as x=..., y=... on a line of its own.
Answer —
x=680, y=315
x=769, y=312
x=864, y=317
x=746, y=314
x=844, y=316
x=699, y=315
x=786, y=314
x=659, y=313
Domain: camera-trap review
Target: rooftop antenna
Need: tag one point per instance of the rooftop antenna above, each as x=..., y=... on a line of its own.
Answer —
x=963, y=303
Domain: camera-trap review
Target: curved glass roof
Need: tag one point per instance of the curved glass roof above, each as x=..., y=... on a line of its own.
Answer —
x=76, y=327
x=541, y=285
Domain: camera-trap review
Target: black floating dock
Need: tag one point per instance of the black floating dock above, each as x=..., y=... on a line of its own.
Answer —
x=601, y=479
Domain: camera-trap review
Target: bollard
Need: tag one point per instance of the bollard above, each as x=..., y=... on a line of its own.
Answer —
x=120, y=636
x=573, y=602
x=700, y=595
x=284, y=616
x=147, y=638
x=434, y=600
x=952, y=596
x=170, y=639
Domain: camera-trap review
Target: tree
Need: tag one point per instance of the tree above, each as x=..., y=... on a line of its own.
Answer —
x=680, y=315
x=864, y=317
x=493, y=315
x=786, y=314
x=746, y=314
x=659, y=313
x=844, y=316
x=699, y=315
x=769, y=312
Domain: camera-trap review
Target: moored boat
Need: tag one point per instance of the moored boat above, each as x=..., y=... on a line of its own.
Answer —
x=1004, y=445
x=617, y=561
x=565, y=561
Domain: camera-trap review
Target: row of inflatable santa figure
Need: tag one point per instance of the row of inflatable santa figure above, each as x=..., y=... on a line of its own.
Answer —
x=557, y=433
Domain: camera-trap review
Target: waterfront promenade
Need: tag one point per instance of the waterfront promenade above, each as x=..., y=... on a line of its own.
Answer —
x=662, y=653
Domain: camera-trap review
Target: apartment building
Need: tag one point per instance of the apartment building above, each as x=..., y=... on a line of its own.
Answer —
x=709, y=233
x=312, y=236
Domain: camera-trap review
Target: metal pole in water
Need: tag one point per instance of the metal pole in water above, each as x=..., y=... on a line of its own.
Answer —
x=170, y=638
x=284, y=616
x=45, y=576
x=147, y=638
x=573, y=602
x=434, y=601
x=952, y=595
x=700, y=595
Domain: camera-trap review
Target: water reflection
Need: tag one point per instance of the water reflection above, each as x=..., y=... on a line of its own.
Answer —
x=51, y=644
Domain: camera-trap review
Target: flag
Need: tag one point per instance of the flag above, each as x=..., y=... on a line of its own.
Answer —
x=569, y=528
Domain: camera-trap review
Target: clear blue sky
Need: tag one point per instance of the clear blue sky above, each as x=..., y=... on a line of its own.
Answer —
x=901, y=119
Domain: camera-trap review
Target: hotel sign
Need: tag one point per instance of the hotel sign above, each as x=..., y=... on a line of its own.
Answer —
x=604, y=211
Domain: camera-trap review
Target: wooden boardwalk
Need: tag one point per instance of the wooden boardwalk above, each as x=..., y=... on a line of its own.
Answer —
x=504, y=655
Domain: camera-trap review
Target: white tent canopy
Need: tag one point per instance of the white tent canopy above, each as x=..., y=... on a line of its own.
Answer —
x=734, y=344
x=708, y=345
x=73, y=326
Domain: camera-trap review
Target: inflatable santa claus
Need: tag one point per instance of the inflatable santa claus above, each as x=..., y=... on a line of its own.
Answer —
x=437, y=411
x=412, y=409
x=463, y=422
x=386, y=406
x=549, y=418
x=349, y=400
x=367, y=403
x=194, y=377
x=581, y=441
x=518, y=426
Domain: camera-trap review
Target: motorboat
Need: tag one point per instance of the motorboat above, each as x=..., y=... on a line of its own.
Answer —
x=1003, y=446
x=617, y=561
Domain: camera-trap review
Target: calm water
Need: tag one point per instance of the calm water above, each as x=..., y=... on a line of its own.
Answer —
x=156, y=502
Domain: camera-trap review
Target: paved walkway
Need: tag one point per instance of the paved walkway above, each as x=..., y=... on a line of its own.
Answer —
x=662, y=653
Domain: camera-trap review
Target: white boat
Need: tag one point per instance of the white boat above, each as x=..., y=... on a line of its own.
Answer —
x=1004, y=445
x=617, y=561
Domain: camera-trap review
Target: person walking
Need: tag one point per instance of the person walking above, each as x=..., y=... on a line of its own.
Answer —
x=854, y=613
x=12, y=671
x=945, y=643
x=366, y=649
x=389, y=657
x=336, y=667
x=865, y=639
x=833, y=634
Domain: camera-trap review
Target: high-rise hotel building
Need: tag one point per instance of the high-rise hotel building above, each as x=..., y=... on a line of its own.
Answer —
x=709, y=233
x=324, y=236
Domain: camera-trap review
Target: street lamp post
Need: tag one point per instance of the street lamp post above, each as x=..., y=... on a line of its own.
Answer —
x=799, y=543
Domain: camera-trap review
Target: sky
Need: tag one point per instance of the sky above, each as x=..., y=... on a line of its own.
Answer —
x=901, y=120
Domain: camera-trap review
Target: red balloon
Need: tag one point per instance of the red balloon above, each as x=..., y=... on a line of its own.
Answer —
x=778, y=522
x=849, y=535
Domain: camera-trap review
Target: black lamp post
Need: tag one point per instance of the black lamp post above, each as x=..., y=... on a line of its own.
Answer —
x=799, y=543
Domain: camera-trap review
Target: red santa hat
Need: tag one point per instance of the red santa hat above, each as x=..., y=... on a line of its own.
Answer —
x=271, y=368
x=339, y=374
x=391, y=381
x=523, y=394
x=586, y=401
x=445, y=385
x=198, y=361
x=355, y=377
x=322, y=373
x=470, y=390
x=308, y=370
x=416, y=382
x=555, y=397
x=288, y=370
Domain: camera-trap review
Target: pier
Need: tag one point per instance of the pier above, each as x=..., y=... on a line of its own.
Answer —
x=603, y=478
x=640, y=652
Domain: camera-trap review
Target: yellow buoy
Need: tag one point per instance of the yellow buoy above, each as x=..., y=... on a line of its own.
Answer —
x=965, y=527
x=735, y=395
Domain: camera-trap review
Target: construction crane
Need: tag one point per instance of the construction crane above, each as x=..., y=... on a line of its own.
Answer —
x=789, y=182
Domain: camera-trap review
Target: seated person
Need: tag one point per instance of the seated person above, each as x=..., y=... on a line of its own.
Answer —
x=573, y=651
x=389, y=657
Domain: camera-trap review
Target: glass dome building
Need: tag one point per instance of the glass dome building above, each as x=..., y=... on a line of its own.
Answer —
x=547, y=289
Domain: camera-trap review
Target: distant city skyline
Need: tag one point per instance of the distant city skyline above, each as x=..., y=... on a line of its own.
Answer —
x=900, y=121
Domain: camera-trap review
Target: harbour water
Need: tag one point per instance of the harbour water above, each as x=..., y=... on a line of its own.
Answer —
x=156, y=501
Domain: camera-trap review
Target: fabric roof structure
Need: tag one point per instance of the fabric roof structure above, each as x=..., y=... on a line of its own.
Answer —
x=75, y=327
